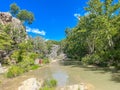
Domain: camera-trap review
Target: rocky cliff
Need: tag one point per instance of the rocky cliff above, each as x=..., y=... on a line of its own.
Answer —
x=15, y=24
x=6, y=18
x=15, y=30
x=54, y=52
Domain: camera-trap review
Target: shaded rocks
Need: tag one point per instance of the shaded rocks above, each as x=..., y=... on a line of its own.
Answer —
x=31, y=84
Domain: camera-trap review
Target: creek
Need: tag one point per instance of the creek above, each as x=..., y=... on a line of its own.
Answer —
x=65, y=75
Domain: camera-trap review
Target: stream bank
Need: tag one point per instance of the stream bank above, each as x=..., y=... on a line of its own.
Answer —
x=65, y=75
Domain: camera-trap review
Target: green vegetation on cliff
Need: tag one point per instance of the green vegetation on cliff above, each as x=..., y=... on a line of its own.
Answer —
x=17, y=49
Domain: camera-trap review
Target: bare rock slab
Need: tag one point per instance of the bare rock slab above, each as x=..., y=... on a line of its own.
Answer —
x=30, y=84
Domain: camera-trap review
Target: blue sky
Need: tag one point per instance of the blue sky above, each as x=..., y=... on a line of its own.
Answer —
x=51, y=16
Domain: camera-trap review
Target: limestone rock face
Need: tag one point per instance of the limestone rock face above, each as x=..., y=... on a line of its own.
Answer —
x=6, y=18
x=16, y=31
x=53, y=52
x=16, y=25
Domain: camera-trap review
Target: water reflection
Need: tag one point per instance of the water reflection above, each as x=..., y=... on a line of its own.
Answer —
x=61, y=77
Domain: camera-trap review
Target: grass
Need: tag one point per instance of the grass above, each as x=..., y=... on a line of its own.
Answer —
x=49, y=84
x=34, y=67
x=47, y=88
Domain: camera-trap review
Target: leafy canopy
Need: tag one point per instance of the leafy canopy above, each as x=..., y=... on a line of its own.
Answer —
x=24, y=15
x=14, y=9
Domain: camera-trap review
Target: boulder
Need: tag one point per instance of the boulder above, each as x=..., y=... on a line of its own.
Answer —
x=30, y=84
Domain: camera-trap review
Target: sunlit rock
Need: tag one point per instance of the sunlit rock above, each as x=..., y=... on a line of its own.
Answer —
x=30, y=84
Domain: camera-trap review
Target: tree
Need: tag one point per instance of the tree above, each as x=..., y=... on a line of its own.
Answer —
x=14, y=9
x=25, y=16
x=39, y=45
x=95, y=39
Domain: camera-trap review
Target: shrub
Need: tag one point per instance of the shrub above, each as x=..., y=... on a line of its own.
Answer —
x=14, y=71
x=46, y=61
x=33, y=56
x=50, y=83
x=91, y=59
x=26, y=63
x=53, y=83
x=34, y=67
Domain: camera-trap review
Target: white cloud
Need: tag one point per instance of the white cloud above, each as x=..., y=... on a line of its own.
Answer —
x=46, y=39
x=87, y=13
x=35, y=30
x=77, y=15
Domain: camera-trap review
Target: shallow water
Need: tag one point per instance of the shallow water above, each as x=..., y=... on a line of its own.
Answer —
x=66, y=75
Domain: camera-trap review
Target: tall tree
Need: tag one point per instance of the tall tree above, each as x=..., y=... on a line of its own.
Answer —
x=96, y=37
x=14, y=9
x=25, y=16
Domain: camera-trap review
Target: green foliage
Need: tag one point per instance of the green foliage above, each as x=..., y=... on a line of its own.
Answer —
x=5, y=39
x=33, y=67
x=46, y=61
x=92, y=59
x=50, y=83
x=14, y=71
x=25, y=16
x=17, y=48
x=26, y=63
x=14, y=9
x=95, y=39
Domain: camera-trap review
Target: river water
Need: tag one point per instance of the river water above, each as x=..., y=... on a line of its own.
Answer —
x=65, y=75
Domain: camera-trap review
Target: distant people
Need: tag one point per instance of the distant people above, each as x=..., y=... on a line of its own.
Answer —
x=40, y=61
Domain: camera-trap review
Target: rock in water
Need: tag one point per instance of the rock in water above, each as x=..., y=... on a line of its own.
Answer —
x=30, y=84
